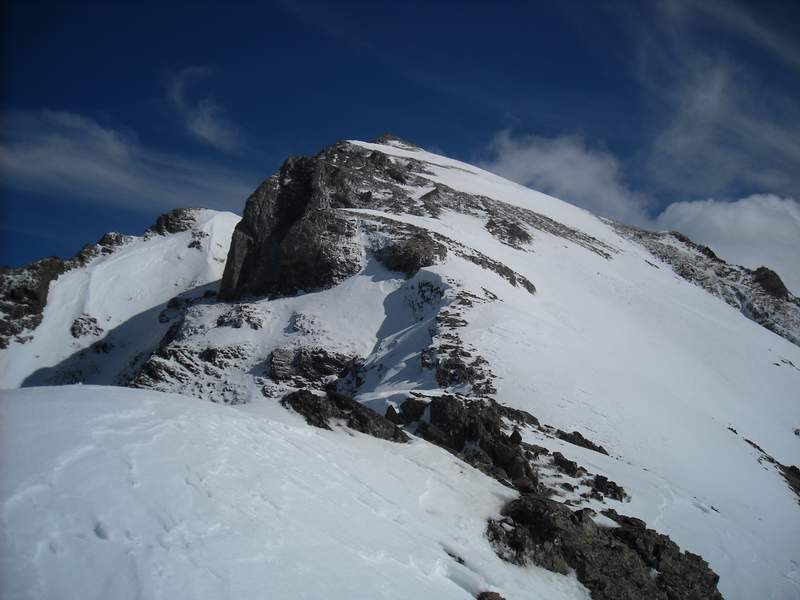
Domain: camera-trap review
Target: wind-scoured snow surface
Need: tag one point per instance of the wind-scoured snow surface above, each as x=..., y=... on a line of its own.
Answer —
x=123, y=292
x=119, y=493
x=667, y=377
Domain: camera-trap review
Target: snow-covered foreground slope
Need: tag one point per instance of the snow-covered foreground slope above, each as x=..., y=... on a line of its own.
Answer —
x=110, y=306
x=119, y=493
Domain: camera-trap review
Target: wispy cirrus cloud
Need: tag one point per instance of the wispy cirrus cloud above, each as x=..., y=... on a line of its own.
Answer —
x=69, y=154
x=721, y=127
x=738, y=20
x=723, y=131
x=722, y=163
x=204, y=118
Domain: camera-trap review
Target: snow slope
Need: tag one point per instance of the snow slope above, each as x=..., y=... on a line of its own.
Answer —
x=653, y=368
x=119, y=493
x=124, y=291
x=670, y=379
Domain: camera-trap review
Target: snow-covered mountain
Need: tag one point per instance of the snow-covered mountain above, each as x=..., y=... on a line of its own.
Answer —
x=100, y=313
x=507, y=394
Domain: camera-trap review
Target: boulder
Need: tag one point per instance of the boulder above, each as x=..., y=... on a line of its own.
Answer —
x=320, y=410
x=770, y=282
x=412, y=254
x=623, y=563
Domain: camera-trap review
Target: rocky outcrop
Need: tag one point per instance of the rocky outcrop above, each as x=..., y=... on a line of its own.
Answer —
x=576, y=438
x=508, y=232
x=770, y=282
x=410, y=255
x=240, y=316
x=627, y=562
x=789, y=472
x=309, y=366
x=605, y=487
x=473, y=429
x=299, y=228
x=284, y=215
x=174, y=221
x=489, y=596
x=320, y=410
x=23, y=296
x=85, y=325
x=570, y=467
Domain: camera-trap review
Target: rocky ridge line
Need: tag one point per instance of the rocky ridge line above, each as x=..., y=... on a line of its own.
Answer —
x=758, y=294
x=296, y=234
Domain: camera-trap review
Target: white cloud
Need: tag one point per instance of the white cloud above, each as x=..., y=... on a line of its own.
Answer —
x=66, y=153
x=753, y=231
x=204, y=118
x=570, y=170
x=758, y=230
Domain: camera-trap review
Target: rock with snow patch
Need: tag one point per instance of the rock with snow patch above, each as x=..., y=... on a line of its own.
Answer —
x=320, y=410
x=624, y=563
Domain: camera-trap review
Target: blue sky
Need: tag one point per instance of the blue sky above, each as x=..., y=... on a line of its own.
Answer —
x=680, y=113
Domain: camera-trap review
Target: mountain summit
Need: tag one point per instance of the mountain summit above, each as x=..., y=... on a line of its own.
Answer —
x=438, y=384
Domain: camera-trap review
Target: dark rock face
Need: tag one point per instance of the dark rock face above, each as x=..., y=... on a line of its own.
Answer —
x=792, y=476
x=508, y=232
x=453, y=364
x=23, y=296
x=320, y=410
x=570, y=467
x=789, y=472
x=769, y=280
x=286, y=241
x=412, y=254
x=240, y=316
x=412, y=410
x=85, y=325
x=489, y=596
x=473, y=430
x=605, y=486
x=629, y=562
x=295, y=236
x=314, y=254
x=577, y=438
x=223, y=356
x=309, y=366
x=175, y=221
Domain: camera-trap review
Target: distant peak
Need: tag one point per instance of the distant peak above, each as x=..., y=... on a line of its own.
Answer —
x=389, y=139
x=174, y=221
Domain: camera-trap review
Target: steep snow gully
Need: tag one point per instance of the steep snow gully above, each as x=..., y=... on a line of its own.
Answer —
x=424, y=381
